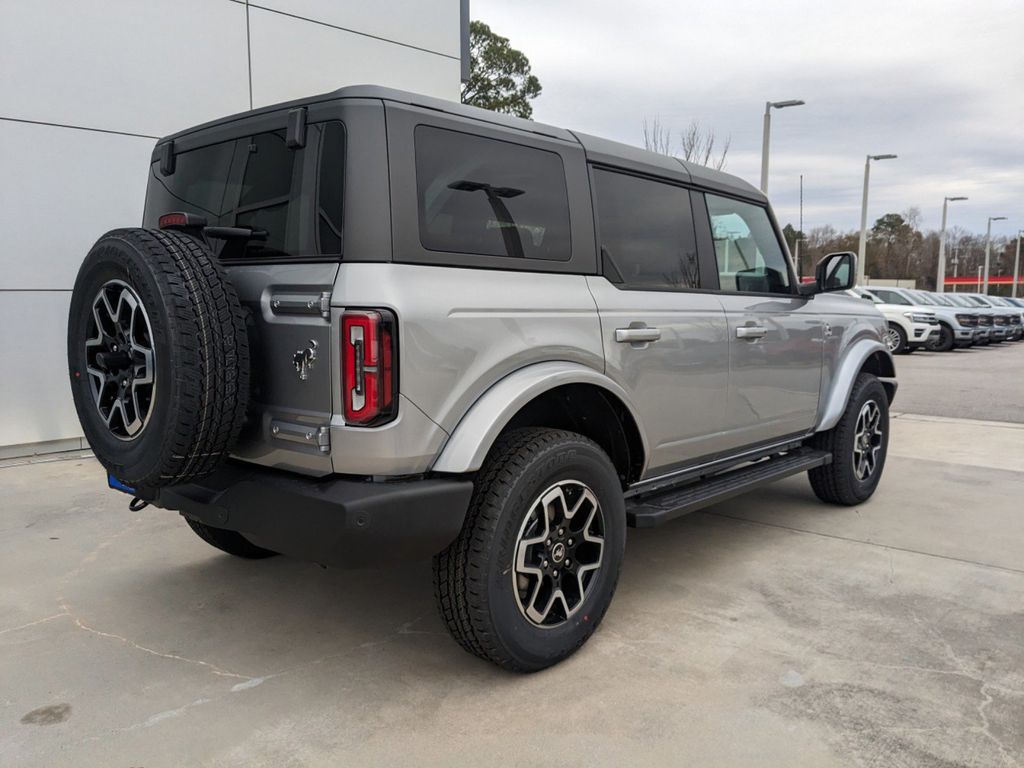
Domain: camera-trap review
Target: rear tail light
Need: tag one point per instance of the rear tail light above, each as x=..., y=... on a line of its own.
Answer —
x=369, y=366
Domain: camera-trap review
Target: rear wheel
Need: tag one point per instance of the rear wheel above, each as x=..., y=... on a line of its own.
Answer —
x=896, y=340
x=534, y=569
x=858, y=444
x=231, y=542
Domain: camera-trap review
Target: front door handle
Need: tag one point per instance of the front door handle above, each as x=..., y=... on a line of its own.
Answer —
x=637, y=335
x=751, y=332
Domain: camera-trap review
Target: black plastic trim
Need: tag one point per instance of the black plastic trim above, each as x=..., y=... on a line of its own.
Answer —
x=655, y=509
x=342, y=521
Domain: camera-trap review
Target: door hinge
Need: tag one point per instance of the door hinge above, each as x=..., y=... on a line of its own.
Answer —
x=302, y=304
x=303, y=434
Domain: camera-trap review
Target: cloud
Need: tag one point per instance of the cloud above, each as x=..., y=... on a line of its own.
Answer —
x=941, y=84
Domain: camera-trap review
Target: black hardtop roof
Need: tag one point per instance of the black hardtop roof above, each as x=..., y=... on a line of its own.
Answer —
x=599, y=150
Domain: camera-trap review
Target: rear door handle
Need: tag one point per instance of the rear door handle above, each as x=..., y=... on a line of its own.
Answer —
x=637, y=335
x=751, y=332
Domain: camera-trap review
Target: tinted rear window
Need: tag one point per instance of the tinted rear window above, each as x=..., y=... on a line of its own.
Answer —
x=493, y=198
x=257, y=182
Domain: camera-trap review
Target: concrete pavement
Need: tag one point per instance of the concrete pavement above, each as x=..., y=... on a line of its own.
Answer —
x=768, y=631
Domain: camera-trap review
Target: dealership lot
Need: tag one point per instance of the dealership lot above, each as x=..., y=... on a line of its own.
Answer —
x=765, y=631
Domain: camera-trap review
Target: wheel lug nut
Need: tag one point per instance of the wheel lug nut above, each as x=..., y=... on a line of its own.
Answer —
x=549, y=542
x=561, y=531
x=568, y=562
x=569, y=542
x=555, y=574
x=544, y=564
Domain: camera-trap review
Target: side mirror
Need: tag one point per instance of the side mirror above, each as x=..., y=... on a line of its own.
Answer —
x=835, y=272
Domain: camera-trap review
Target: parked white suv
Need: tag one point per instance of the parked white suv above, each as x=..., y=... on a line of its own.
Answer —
x=910, y=326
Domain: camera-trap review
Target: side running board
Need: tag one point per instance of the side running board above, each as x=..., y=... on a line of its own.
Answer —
x=648, y=511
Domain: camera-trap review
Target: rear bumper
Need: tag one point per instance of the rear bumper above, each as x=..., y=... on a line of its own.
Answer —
x=343, y=522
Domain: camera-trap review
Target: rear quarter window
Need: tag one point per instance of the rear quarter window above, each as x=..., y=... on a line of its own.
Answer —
x=484, y=196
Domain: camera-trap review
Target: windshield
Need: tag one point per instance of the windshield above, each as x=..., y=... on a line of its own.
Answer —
x=960, y=301
x=943, y=300
x=923, y=298
x=890, y=296
x=998, y=301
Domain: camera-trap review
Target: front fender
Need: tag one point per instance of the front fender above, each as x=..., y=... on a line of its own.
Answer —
x=853, y=361
x=469, y=443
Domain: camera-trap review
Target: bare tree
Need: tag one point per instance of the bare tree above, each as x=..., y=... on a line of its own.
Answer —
x=657, y=137
x=696, y=143
x=698, y=146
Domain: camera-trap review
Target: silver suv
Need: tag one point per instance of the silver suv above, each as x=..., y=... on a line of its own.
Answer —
x=372, y=326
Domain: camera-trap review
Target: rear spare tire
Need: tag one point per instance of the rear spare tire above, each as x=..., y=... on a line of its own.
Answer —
x=158, y=357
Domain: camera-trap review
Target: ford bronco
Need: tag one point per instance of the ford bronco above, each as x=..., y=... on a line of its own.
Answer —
x=370, y=326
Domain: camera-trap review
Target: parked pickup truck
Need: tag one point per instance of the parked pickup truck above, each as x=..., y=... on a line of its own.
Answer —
x=370, y=326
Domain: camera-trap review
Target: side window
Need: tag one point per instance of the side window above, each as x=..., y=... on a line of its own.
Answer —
x=646, y=232
x=489, y=197
x=749, y=256
x=330, y=194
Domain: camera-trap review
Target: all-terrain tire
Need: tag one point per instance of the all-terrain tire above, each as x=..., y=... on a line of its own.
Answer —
x=838, y=482
x=231, y=542
x=194, y=326
x=475, y=577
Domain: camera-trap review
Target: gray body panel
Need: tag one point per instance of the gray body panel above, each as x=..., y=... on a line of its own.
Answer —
x=463, y=331
x=774, y=380
x=679, y=382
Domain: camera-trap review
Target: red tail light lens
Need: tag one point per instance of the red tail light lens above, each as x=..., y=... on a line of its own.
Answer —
x=369, y=366
x=179, y=220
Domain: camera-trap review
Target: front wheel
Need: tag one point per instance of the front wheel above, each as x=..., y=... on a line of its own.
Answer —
x=858, y=444
x=896, y=340
x=535, y=566
x=944, y=342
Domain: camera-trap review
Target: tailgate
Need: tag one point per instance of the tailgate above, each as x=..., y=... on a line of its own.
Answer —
x=290, y=344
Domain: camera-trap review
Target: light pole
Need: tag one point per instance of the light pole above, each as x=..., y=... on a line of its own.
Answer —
x=799, y=269
x=940, y=280
x=988, y=247
x=862, y=248
x=1016, y=265
x=767, y=135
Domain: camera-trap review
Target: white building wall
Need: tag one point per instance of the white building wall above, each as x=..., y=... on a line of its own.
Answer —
x=87, y=87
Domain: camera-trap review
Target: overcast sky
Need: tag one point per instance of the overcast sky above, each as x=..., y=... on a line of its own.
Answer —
x=939, y=83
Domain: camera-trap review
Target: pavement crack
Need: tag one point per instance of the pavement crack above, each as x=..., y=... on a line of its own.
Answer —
x=34, y=623
x=986, y=730
x=210, y=667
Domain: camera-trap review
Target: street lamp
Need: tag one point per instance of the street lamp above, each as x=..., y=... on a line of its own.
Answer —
x=940, y=280
x=1016, y=265
x=988, y=247
x=767, y=134
x=862, y=248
